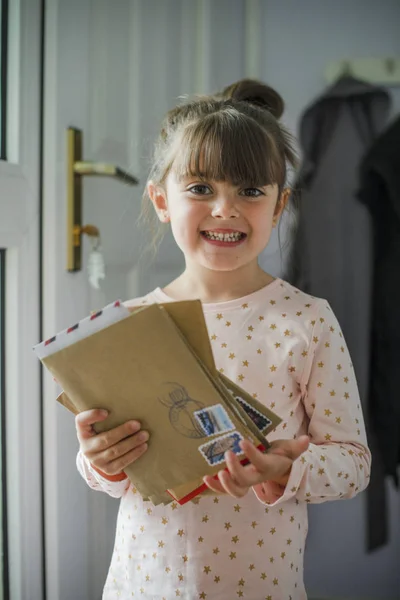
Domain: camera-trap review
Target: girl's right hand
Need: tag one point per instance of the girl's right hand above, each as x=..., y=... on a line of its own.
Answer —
x=111, y=451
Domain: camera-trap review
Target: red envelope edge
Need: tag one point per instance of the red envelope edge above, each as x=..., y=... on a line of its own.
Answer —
x=203, y=487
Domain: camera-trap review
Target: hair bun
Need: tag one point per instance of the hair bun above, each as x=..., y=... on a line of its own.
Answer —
x=255, y=92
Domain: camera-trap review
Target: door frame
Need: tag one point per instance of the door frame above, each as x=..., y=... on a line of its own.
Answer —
x=20, y=215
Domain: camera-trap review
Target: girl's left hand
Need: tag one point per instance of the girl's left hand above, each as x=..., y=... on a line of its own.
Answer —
x=274, y=465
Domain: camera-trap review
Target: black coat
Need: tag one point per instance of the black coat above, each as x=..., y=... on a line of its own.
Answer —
x=380, y=192
x=332, y=251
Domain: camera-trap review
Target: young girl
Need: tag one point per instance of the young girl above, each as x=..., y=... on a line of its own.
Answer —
x=219, y=179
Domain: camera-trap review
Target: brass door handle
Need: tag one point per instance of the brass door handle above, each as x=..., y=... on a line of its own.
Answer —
x=89, y=168
x=78, y=168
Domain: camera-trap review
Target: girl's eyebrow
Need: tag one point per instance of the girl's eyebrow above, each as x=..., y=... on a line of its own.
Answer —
x=188, y=178
x=184, y=179
x=195, y=175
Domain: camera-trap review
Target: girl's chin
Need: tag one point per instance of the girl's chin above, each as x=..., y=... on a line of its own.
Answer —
x=222, y=265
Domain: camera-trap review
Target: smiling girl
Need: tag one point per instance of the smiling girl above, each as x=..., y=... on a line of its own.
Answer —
x=220, y=179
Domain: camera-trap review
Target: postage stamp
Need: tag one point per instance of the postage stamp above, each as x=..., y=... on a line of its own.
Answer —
x=214, y=419
x=259, y=420
x=214, y=450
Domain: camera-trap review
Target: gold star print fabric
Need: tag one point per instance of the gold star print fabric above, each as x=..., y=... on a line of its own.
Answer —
x=286, y=348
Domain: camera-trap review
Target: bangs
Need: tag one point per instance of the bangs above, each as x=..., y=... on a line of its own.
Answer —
x=229, y=146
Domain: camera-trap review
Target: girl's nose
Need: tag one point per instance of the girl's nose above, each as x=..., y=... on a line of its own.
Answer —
x=225, y=208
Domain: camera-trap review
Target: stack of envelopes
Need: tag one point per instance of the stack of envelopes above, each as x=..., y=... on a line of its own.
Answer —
x=155, y=364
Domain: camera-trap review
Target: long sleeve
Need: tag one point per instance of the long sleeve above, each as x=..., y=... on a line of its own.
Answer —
x=115, y=487
x=337, y=462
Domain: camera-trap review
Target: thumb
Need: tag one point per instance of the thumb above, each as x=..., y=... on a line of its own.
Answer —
x=85, y=420
x=290, y=448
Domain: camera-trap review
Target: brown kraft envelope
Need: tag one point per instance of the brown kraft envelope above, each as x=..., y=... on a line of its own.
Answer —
x=189, y=317
x=265, y=419
x=141, y=368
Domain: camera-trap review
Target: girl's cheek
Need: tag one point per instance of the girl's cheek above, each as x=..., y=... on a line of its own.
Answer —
x=184, y=211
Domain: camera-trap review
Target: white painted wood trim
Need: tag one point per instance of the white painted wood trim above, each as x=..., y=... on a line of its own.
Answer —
x=203, y=47
x=99, y=50
x=49, y=295
x=13, y=217
x=252, y=37
x=188, y=61
x=13, y=335
x=19, y=234
x=135, y=61
x=13, y=81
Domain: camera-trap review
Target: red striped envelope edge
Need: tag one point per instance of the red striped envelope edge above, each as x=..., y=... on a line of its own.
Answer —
x=203, y=487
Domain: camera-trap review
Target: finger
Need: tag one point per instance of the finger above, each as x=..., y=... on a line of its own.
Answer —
x=106, y=439
x=268, y=465
x=291, y=449
x=118, y=450
x=85, y=420
x=244, y=476
x=119, y=465
x=255, y=456
x=304, y=442
x=231, y=487
x=235, y=488
x=213, y=484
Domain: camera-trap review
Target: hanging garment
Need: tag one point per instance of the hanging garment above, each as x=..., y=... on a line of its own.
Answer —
x=380, y=192
x=331, y=253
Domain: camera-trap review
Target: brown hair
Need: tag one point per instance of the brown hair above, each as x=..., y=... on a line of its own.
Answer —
x=195, y=136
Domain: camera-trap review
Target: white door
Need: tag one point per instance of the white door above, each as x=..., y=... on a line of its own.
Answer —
x=21, y=477
x=112, y=70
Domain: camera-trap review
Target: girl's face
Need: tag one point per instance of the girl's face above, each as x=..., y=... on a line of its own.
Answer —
x=217, y=225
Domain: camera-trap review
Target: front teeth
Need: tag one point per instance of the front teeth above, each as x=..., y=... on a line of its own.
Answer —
x=224, y=237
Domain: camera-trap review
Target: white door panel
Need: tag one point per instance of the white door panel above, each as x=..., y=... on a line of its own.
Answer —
x=112, y=70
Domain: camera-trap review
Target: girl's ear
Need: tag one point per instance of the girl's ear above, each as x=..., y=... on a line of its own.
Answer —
x=280, y=206
x=158, y=198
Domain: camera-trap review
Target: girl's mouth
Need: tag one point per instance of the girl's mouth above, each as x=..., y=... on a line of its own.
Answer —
x=224, y=238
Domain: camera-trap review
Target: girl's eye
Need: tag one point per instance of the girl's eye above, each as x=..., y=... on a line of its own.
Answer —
x=200, y=189
x=252, y=193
